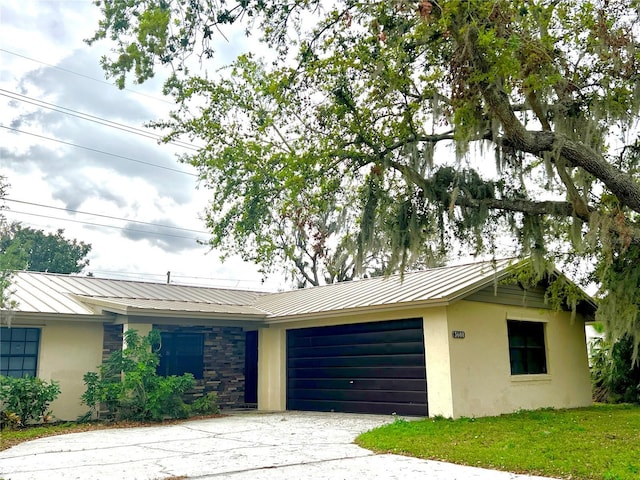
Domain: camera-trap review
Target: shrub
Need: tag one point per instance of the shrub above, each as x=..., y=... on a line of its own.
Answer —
x=615, y=377
x=26, y=400
x=128, y=387
x=206, y=405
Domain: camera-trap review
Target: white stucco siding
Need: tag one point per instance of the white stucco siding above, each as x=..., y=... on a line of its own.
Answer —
x=272, y=369
x=481, y=377
x=438, y=362
x=68, y=350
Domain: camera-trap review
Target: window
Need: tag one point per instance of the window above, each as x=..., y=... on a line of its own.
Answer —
x=526, y=347
x=19, y=351
x=181, y=353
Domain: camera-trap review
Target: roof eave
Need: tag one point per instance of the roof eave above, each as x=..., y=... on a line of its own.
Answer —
x=150, y=312
x=42, y=318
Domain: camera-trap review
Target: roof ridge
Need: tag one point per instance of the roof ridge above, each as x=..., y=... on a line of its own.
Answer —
x=145, y=282
x=396, y=275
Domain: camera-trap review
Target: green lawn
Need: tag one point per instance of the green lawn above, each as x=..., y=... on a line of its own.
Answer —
x=600, y=442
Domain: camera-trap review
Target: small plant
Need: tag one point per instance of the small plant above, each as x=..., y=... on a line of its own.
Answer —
x=206, y=405
x=26, y=400
x=128, y=387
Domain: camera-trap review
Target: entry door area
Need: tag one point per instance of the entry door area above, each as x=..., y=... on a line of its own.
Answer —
x=376, y=367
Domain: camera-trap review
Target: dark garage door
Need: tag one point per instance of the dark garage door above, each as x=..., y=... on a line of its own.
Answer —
x=376, y=367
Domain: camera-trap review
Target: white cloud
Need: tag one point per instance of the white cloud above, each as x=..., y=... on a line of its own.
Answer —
x=63, y=71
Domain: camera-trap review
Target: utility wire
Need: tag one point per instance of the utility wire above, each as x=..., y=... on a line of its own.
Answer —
x=147, y=232
x=177, y=275
x=98, y=151
x=104, y=216
x=85, y=76
x=92, y=118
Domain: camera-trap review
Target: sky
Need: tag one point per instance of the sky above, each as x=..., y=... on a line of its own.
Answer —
x=77, y=156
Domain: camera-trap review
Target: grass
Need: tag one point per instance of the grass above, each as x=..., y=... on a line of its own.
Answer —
x=10, y=438
x=600, y=442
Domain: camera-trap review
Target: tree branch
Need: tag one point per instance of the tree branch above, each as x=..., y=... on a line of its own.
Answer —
x=621, y=184
x=624, y=231
x=580, y=207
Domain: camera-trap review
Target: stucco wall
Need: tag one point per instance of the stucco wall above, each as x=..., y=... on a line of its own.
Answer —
x=68, y=350
x=482, y=383
x=465, y=377
x=438, y=360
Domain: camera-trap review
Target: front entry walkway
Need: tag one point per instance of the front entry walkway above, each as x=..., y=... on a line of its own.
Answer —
x=246, y=446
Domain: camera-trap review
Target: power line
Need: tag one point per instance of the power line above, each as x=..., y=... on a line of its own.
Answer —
x=104, y=216
x=85, y=76
x=103, y=225
x=92, y=118
x=177, y=275
x=98, y=151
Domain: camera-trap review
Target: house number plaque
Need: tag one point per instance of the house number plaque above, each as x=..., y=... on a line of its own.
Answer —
x=458, y=334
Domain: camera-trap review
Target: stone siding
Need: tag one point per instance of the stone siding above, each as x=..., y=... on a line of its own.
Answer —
x=112, y=340
x=224, y=352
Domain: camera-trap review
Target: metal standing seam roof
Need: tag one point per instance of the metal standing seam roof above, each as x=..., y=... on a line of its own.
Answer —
x=75, y=295
x=436, y=285
x=37, y=292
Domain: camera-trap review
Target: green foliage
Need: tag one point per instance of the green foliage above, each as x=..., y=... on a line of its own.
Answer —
x=206, y=404
x=128, y=387
x=363, y=144
x=559, y=443
x=6, y=305
x=23, y=248
x=614, y=373
x=26, y=400
x=559, y=292
x=619, y=310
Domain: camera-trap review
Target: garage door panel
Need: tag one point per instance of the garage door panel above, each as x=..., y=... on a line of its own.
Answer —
x=357, y=350
x=375, y=367
x=376, y=408
x=357, y=372
x=344, y=383
x=311, y=339
x=366, y=328
x=343, y=361
x=388, y=396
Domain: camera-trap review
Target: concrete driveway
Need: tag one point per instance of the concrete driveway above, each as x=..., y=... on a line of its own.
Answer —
x=246, y=446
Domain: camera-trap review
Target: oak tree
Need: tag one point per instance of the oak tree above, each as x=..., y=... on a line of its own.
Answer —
x=476, y=121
